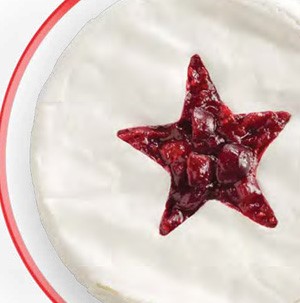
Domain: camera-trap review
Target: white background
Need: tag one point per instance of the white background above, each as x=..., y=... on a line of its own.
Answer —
x=19, y=20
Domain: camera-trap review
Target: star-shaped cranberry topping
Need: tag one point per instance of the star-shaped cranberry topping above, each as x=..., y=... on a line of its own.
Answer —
x=210, y=153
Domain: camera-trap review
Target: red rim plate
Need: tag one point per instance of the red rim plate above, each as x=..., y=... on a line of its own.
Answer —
x=4, y=120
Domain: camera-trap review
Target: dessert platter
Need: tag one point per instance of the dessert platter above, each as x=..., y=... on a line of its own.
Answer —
x=165, y=153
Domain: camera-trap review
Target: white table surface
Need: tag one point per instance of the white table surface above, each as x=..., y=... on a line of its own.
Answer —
x=19, y=20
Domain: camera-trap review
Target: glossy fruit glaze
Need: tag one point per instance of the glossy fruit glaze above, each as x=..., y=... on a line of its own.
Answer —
x=210, y=153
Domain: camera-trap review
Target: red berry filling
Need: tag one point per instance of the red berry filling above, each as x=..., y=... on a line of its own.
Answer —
x=210, y=153
x=199, y=170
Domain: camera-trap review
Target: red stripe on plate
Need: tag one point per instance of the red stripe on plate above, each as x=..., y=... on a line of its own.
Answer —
x=4, y=120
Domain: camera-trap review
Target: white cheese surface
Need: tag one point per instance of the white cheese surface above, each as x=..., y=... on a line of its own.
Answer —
x=101, y=201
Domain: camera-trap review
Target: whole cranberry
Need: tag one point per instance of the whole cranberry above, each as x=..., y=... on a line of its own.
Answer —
x=234, y=162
